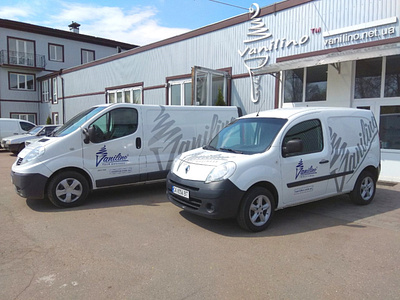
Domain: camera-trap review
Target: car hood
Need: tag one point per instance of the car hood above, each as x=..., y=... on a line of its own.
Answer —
x=197, y=164
x=20, y=138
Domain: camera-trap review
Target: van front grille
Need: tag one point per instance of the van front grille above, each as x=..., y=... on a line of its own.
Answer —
x=192, y=203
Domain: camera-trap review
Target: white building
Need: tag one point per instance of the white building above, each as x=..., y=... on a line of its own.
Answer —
x=293, y=53
x=29, y=52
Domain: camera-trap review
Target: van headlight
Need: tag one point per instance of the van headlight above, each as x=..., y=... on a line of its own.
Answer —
x=33, y=154
x=221, y=172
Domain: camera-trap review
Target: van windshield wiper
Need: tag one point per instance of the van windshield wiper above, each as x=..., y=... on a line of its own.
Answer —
x=231, y=150
x=209, y=147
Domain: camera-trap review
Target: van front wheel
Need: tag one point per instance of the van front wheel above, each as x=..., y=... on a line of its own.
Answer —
x=256, y=210
x=364, y=190
x=68, y=189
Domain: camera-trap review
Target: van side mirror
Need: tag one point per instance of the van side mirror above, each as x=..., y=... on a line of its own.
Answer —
x=291, y=147
x=86, y=140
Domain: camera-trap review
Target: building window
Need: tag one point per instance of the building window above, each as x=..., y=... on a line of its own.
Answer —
x=392, y=76
x=305, y=84
x=316, y=83
x=46, y=92
x=55, y=91
x=210, y=86
x=293, y=86
x=368, y=78
x=56, y=52
x=180, y=92
x=25, y=117
x=21, y=52
x=389, y=127
x=55, y=118
x=22, y=81
x=87, y=56
x=126, y=95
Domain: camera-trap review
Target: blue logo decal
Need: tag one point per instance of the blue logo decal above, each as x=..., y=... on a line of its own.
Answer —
x=302, y=172
x=103, y=158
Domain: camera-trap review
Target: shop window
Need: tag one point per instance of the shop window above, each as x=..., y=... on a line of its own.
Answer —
x=312, y=80
x=25, y=117
x=368, y=78
x=180, y=92
x=316, y=83
x=87, y=56
x=392, y=76
x=389, y=127
x=210, y=86
x=126, y=95
x=22, y=81
x=293, y=86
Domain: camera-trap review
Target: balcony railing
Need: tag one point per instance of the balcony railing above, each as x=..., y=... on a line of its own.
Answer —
x=22, y=59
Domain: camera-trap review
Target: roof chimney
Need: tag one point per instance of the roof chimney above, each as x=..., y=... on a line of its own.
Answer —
x=74, y=27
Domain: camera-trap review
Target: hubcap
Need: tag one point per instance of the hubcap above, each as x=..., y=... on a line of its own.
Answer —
x=260, y=210
x=69, y=190
x=367, y=188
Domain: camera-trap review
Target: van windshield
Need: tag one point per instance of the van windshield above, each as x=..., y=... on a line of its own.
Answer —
x=247, y=136
x=78, y=120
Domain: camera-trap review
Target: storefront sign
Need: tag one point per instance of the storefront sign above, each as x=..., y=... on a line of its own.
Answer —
x=256, y=57
x=369, y=31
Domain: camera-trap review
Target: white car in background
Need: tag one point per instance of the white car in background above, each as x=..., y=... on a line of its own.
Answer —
x=16, y=143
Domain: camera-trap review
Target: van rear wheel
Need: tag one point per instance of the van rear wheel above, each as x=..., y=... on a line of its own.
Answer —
x=256, y=210
x=364, y=189
x=68, y=189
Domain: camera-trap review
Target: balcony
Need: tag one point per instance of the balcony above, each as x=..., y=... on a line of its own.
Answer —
x=22, y=59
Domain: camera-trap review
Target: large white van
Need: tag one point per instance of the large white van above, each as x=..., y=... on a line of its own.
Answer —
x=9, y=127
x=274, y=159
x=110, y=145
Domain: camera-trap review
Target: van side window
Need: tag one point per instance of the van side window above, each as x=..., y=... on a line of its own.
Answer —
x=115, y=124
x=26, y=126
x=310, y=133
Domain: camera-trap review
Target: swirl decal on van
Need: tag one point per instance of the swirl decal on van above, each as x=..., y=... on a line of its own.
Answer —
x=347, y=159
x=168, y=138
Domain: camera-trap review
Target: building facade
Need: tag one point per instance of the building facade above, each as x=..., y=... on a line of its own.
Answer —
x=28, y=53
x=293, y=53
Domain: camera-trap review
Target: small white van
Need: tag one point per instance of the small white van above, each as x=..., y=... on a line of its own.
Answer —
x=9, y=127
x=111, y=145
x=275, y=159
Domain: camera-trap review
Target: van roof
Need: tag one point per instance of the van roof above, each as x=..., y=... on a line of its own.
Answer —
x=286, y=113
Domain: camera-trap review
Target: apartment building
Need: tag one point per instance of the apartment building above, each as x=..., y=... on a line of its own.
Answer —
x=31, y=55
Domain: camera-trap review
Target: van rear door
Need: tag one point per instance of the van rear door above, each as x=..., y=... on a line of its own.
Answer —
x=112, y=156
x=305, y=173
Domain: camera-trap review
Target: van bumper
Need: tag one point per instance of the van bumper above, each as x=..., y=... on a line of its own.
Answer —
x=30, y=186
x=216, y=200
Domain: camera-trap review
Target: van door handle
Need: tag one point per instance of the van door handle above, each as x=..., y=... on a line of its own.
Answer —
x=138, y=143
x=324, y=161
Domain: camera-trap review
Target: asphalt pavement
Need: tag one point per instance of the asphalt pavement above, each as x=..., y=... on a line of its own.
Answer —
x=131, y=243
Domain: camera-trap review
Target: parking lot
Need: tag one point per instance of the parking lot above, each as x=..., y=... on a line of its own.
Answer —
x=131, y=243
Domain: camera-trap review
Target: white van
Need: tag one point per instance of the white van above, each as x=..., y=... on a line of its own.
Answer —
x=9, y=127
x=274, y=159
x=110, y=145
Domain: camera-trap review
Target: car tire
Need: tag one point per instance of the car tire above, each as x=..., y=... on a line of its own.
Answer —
x=68, y=189
x=256, y=209
x=364, y=189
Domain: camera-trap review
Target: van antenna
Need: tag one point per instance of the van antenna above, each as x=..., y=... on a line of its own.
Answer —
x=279, y=78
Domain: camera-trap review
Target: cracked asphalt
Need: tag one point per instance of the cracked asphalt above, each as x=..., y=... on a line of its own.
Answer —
x=131, y=243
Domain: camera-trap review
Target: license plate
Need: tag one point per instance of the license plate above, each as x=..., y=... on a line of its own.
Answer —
x=180, y=192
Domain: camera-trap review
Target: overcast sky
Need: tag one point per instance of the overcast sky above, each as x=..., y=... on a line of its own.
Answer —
x=130, y=21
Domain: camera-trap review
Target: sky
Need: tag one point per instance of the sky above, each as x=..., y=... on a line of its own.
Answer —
x=129, y=21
